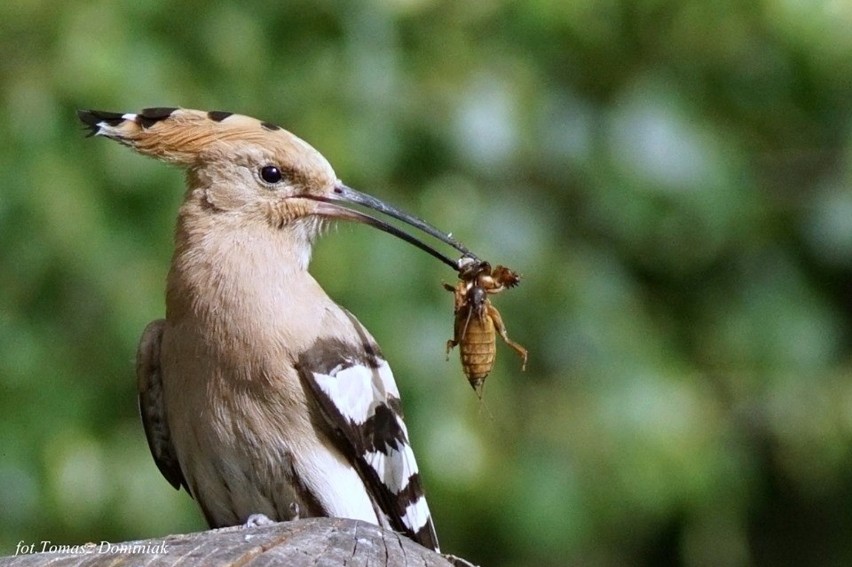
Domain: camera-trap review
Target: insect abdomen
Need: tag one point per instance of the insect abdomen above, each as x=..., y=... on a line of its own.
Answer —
x=478, y=349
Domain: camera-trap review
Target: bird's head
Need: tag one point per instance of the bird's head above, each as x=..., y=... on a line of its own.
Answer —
x=238, y=163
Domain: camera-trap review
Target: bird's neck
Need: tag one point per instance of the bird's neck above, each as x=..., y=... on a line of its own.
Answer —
x=227, y=269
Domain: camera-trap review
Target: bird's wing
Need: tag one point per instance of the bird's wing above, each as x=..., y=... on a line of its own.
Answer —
x=359, y=401
x=152, y=407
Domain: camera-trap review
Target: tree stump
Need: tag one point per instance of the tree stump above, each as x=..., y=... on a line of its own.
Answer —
x=317, y=542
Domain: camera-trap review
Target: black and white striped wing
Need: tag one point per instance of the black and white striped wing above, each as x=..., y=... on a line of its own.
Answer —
x=359, y=400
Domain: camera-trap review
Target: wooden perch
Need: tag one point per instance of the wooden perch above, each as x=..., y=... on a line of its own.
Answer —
x=318, y=542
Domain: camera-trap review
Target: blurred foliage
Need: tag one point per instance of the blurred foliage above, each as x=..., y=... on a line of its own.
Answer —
x=673, y=178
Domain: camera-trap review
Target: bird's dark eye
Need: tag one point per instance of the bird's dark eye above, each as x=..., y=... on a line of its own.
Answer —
x=270, y=174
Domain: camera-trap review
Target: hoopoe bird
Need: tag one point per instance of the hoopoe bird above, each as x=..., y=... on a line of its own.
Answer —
x=259, y=395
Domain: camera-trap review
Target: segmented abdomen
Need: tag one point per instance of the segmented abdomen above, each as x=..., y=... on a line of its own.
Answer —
x=478, y=348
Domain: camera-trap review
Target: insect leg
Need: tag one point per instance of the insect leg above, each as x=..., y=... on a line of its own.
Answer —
x=501, y=328
x=459, y=332
x=450, y=344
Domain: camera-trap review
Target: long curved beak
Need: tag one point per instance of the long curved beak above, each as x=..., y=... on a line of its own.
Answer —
x=342, y=194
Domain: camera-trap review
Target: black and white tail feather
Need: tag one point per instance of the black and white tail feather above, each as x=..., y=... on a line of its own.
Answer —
x=359, y=401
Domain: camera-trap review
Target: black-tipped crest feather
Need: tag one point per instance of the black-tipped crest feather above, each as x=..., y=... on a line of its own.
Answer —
x=93, y=118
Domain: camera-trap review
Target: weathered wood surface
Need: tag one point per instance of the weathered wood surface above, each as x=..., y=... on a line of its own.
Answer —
x=317, y=542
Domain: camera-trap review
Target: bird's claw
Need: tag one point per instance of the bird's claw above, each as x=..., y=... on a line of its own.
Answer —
x=258, y=521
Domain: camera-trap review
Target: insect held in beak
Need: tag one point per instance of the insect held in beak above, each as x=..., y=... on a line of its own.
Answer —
x=477, y=321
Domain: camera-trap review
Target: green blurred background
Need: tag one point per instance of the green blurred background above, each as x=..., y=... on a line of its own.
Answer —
x=673, y=179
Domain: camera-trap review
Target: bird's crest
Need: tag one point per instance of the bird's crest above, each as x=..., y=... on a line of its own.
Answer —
x=189, y=137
